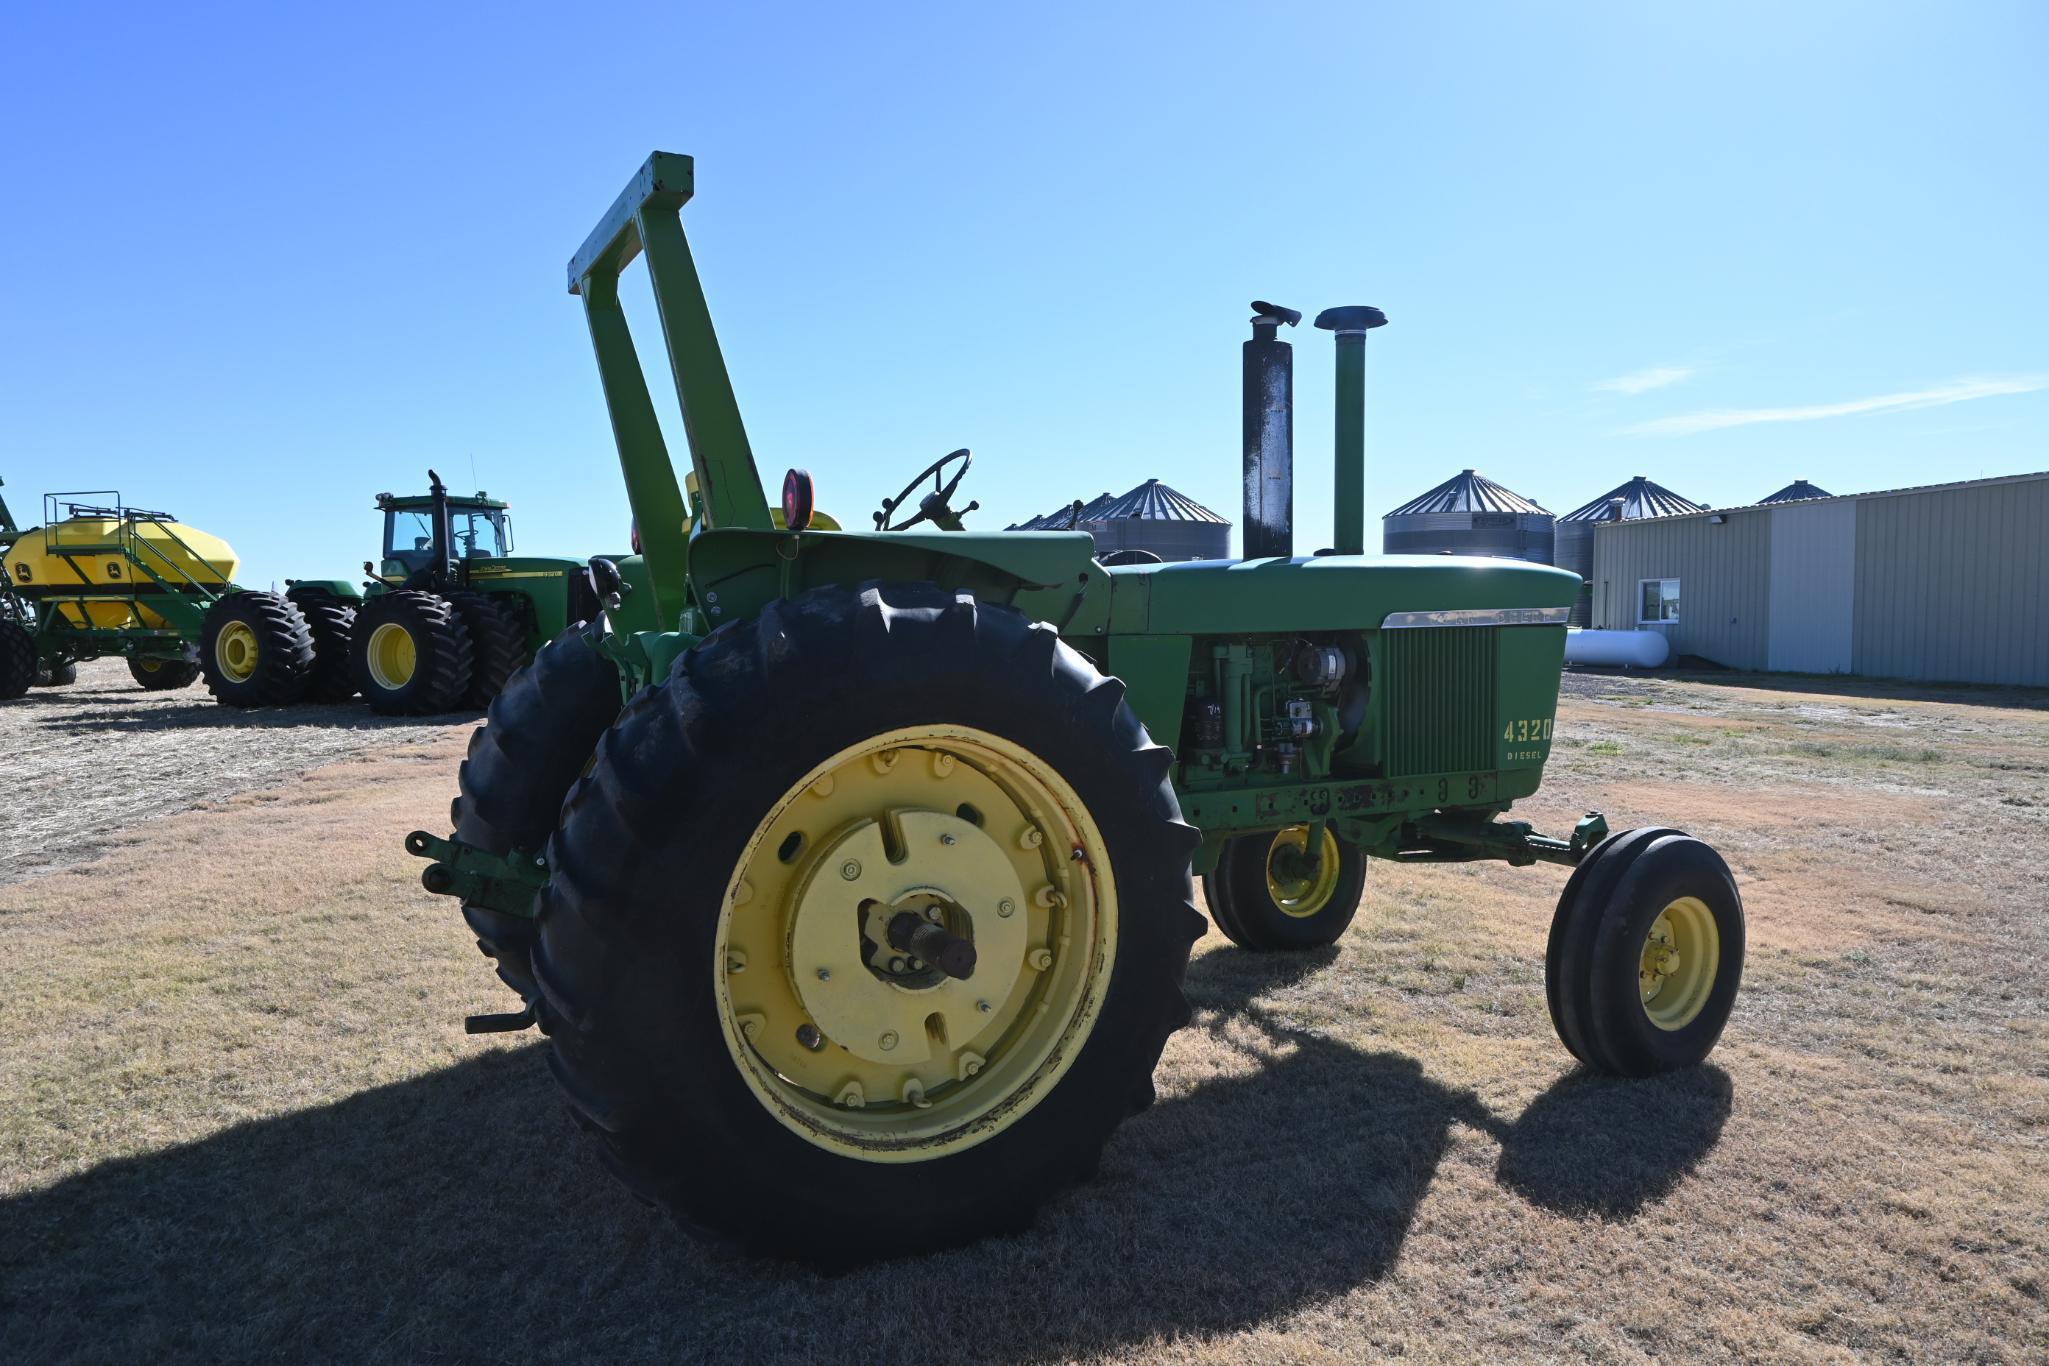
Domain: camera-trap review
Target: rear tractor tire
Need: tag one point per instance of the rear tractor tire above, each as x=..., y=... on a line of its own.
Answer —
x=1646, y=953
x=17, y=660
x=161, y=675
x=867, y=927
x=332, y=622
x=410, y=654
x=497, y=646
x=539, y=738
x=255, y=650
x=1263, y=896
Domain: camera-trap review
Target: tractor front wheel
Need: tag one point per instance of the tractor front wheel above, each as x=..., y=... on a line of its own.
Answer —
x=410, y=653
x=17, y=660
x=61, y=675
x=161, y=675
x=867, y=927
x=1646, y=952
x=1265, y=894
x=255, y=650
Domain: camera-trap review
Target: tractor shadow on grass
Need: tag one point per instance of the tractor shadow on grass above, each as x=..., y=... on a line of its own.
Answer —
x=458, y=1216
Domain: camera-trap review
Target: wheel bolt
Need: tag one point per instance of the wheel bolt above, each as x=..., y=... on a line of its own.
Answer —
x=934, y=914
x=808, y=1035
x=851, y=869
x=948, y=839
x=1006, y=908
x=1031, y=838
x=984, y=1007
x=897, y=965
x=1040, y=959
x=888, y=1040
x=825, y=974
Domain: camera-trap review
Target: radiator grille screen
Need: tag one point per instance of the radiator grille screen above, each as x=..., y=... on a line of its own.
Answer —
x=1441, y=714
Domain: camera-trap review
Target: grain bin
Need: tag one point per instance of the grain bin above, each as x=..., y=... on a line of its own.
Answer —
x=1626, y=502
x=1153, y=517
x=1469, y=514
x=1795, y=491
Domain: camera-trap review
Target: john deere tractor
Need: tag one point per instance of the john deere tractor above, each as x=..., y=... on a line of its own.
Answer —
x=849, y=874
x=448, y=614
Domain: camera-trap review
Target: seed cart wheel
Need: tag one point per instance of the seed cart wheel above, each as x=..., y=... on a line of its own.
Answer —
x=540, y=737
x=867, y=927
x=1646, y=953
x=332, y=622
x=497, y=646
x=57, y=675
x=410, y=653
x=1262, y=894
x=162, y=675
x=255, y=650
x=17, y=660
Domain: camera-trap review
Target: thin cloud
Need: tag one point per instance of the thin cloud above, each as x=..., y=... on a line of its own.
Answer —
x=1643, y=381
x=1957, y=391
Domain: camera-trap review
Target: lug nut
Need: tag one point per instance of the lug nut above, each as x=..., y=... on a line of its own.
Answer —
x=808, y=1035
x=851, y=869
x=948, y=839
x=1006, y=908
x=1031, y=838
x=984, y=1007
x=897, y=965
x=888, y=1040
x=825, y=974
x=1040, y=959
x=934, y=914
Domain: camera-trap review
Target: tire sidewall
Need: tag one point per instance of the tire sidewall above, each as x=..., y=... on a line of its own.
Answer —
x=1671, y=867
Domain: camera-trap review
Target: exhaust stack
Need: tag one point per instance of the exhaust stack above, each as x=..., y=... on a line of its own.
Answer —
x=1268, y=529
x=1349, y=509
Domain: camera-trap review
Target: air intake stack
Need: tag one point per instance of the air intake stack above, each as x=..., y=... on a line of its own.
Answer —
x=1349, y=512
x=1269, y=398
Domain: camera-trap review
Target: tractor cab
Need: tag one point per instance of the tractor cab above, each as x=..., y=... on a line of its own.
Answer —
x=479, y=528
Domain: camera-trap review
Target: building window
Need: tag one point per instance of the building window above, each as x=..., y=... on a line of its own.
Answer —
x=1659, y=602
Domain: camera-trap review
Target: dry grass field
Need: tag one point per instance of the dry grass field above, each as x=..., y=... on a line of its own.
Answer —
x=238, y=1116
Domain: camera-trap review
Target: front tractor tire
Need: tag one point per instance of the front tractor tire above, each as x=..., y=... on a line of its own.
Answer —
x=61, y=675
x=255, y=650
x=161, y=675
x=1264, y=895
x=410, y=653
x=867, y=927
x=538, y=739
x=1646, y=953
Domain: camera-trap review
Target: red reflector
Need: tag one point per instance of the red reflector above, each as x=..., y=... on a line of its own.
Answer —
x=797, y=504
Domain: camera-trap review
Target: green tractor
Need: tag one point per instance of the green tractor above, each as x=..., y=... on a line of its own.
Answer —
x=849, y=874
x=448, y=614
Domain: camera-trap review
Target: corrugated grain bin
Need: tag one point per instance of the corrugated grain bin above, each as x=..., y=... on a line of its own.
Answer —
x=1469, y=514
x=1575, y=533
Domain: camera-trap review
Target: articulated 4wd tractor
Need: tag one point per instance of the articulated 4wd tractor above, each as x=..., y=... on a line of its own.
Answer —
x=849, y=874
x=450, y=613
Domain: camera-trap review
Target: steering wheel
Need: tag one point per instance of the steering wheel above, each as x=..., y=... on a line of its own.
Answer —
x=933, y=504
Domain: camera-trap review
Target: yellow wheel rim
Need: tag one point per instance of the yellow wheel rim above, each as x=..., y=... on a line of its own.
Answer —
x=148, y=666
x=1300, y=897
x=1676, y=968
x=235, y=651
x=862, y=1049
x=392, y=656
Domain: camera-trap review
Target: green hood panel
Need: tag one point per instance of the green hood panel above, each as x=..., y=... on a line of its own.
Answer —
x=1322, y=593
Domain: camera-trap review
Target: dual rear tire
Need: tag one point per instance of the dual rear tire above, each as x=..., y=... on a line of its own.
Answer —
x=415, y=652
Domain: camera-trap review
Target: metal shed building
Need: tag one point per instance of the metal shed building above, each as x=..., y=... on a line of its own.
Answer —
x=1469, y=514
x=1944, y=583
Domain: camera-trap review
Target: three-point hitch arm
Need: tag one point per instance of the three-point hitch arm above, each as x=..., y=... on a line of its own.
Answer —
x=646, y=219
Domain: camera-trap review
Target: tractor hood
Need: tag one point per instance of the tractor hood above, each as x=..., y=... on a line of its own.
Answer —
x=1325, y=592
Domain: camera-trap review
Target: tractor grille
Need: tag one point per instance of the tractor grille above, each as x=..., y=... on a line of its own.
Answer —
x=1440, y=684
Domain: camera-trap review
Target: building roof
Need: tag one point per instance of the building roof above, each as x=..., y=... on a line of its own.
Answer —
x=1640, y=498
x=1470, y=491
x=1795, y=491
x=1907, y=491
x=1151, y=501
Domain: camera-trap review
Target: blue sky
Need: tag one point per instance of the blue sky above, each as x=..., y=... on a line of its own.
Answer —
x=263, y=262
